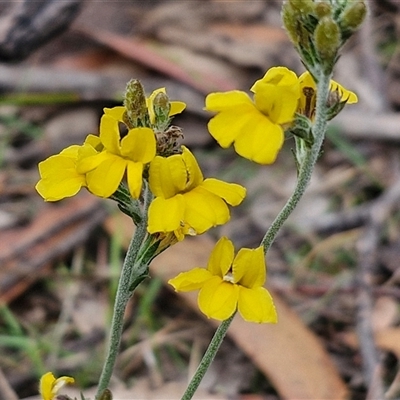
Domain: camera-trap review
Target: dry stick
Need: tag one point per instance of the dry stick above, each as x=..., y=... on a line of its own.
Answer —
x=367, y=247
x=6, y=391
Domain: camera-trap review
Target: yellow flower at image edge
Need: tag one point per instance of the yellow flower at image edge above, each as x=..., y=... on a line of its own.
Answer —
x=184, y=202
x=231, y=283
x=49, y=385
x=255, y=127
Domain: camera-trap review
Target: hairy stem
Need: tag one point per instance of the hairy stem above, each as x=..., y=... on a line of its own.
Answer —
x=307, y=164
x=124, y=293
x=207, y=359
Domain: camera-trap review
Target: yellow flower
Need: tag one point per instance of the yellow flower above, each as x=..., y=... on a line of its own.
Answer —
x=176, y=106
x=59, y=175
x=49, y=385
x=308, y=90
x=184, y=202
x=105, y=171
x=255, y=127
x=231, y=283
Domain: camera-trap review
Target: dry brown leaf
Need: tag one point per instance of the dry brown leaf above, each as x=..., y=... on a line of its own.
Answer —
x=258, y=33
x=152, y=55
x=385, y=313
x=25, y=252
x=387, y=339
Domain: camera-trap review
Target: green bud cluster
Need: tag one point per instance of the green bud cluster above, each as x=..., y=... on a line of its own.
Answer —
x=136, y=114
x=319, y=29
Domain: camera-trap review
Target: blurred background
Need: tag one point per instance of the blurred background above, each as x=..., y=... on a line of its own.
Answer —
x=333, y=270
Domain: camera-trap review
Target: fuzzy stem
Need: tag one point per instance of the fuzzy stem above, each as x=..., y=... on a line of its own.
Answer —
x=207, y=359
x=124, y=293
x=308, y=162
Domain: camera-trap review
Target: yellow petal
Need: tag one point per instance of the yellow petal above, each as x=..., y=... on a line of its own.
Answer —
x=167, y=176
x=134, y=178
x=249, y=267
x=218, y=299
x=94, y=141
x=226, y=126
x=277, y=103
x=104, y=180
x=89, y=159
x=139, y=145
x=191, y=280
x=278, y=76
x=260, y=140
x=49, y=385
x=193, y=171
x=235, y=110
x=46, y=386
x=176, y=107
x=109, y=134
x=256, y=305
x=165, y=215
x=59, y=178
x=221, y=257
x=232, y=193
x=115, y=112
x=306, y=80
x=150, y=101
x=60, y=382
x=224, y=101
x=204, y=210
x=346, y=95
x=60, y=189
x=277, y=94
x=71, y=151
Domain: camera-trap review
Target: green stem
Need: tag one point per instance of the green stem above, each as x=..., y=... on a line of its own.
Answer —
x=207, y=359
x=122, y=297
x=307, y=164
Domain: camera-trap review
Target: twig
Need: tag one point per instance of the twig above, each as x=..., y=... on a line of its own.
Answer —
x=357, y=125
x=6, y=391
x=28, y=24
x=367, y=251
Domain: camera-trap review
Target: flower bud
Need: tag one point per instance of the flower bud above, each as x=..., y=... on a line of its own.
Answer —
x=161, y=108
x=322, y=10
x=302, y=6
x=354, y=15
x=327, y=37
x=136, y=114
x=290, y=22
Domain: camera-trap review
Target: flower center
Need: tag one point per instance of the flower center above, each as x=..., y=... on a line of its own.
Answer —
x=228, y=277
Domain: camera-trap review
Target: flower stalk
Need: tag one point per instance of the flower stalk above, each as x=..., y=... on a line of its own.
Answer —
x=208, y=358
x=131, y=275
x=307, y=161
